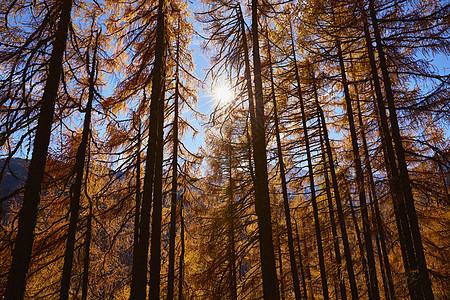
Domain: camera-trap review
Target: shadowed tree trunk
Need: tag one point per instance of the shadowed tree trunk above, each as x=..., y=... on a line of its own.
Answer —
x=139, y=277
x=381, y=240
x=300, y=263
x=262, y=200
x=323, y=274
x=358, y=237
x=137, y=208
x=337, y=196
x=337, y=251
x=421, y=281
x=174, y=192
x=280, y=264
x=181, y=262
x=75, y=190
x=392, y=170
x=307, y=266
x=87, y=246
x=21, y=255
x=287, y=211
x=155, y=251
x=373, y=282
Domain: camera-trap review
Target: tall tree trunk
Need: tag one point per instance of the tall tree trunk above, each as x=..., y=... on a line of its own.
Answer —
x=248, y=83
x=155, y=251
x=300, y=264
x=280, y=264
x=231, y=231
x=174, y=192
x=307, y=266
x=262, y=200
x=181, y=260
x=21, y=255
x=287, y=211
x=421, y=281
x=337, y=251
x=232, y=256
x=139, y=278
x=373, y=287
x=323, y=274
x=387, y=293
x=358, y=239
x=84, y=290
x=247, y=74
x=376, y=209
x=391, y=169
x=75, y=190
x=137, y=208
x=337, y=196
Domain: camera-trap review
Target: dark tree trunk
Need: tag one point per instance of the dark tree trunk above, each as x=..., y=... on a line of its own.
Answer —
x=323, y=274
x=231, y=252
x=87, y=246
x=137, y=208
x=373, y=282
x=387, y=294
x=340, y=211
x=421, y=282
x=181, y=262
x=21, y=255
x=381, y=240
x=300, y=264
x=174, y=192
x=139, y=278
x=75, y=190
x=262, y=200
x=337, y=251
x=287, y=211
x=155, y=251
x=358, y=239
x=280, y=264
x=391, y=170
x=307, y=266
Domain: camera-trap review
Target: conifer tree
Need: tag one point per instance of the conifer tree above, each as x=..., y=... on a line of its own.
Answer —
x=23, y=246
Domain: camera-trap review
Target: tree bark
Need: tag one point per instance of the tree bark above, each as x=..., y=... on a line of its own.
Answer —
x=21, y=255
x=323, y=274
x=391, y=167
x=300, y=264
x=84, y=290
x=181, y=260
x=155, y=251
x=384, y=263
x=421, y=281
x=262, y=200
x=337, y=251
x=287, y=211
x=174, y=192
x=137, y=209
x=139, y=278
x=340, y=211
x=75, y=190
x=373, y=282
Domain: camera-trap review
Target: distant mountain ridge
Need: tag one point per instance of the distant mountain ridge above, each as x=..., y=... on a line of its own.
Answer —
x=14, y=176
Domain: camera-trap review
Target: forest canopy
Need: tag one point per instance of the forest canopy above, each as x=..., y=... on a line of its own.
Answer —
x=310, y=159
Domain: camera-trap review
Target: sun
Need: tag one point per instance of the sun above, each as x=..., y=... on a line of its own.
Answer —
x=223, y=94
